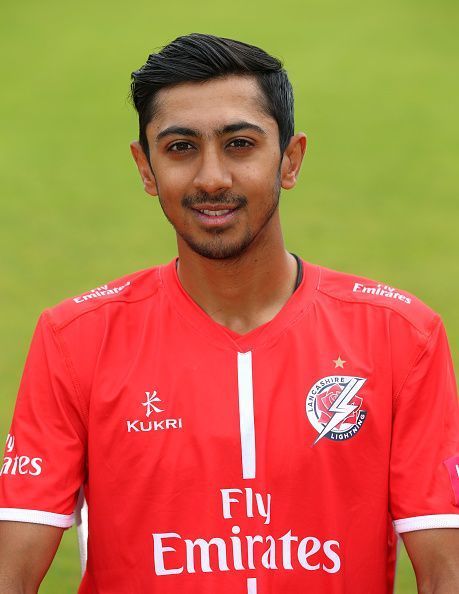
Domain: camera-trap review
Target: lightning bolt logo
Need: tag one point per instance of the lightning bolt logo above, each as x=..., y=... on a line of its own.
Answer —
x=342, y=406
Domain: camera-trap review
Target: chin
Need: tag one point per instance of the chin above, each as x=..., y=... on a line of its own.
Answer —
x=218, y=249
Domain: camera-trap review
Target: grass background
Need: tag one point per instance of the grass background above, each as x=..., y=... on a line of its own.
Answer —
x=376, y=91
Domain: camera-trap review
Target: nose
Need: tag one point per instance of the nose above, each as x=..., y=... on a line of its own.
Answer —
x=212, y=175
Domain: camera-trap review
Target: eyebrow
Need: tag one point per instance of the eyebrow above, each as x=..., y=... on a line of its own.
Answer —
x=239, y=126
x=228, y=129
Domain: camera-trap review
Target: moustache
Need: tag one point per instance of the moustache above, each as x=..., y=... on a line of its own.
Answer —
x=214, y=199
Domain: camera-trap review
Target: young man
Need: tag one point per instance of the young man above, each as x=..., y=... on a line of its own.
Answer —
x=241, y=421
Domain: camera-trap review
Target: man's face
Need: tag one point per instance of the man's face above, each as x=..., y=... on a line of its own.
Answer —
x=215, y=158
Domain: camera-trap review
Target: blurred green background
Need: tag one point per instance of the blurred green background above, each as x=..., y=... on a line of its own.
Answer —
x=376, y=91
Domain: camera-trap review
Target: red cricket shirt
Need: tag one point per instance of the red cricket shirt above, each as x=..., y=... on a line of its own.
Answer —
x=277, y=461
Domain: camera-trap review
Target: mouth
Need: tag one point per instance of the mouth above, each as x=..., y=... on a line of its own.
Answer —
x=214, y=215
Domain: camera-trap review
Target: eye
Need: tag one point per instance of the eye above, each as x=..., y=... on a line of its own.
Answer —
x=180, y=146
x=240, y=143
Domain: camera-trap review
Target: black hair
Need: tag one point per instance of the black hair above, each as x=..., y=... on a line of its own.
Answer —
x=199, y=57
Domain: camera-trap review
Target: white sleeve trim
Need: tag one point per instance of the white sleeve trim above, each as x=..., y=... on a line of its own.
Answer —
x=36, y=517
x=81, y=518
x=426, y=522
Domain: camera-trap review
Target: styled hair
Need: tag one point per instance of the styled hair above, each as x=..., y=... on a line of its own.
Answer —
x=197, y=58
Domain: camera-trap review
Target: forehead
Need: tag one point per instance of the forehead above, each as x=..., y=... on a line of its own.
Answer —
x=209, y=105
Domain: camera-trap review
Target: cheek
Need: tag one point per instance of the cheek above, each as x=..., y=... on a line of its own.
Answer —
x=266, y=166
x=170, y=188
x=261, y=176
x=169, y=173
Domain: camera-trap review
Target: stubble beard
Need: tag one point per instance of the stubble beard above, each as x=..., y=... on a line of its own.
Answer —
x=217, y=246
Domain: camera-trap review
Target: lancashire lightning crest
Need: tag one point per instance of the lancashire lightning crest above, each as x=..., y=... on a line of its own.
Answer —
x=334, y=407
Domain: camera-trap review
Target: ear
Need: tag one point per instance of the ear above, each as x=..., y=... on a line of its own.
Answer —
x=292, y=159
x=143, y=165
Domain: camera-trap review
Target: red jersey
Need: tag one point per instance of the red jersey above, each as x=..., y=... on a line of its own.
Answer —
x=275, y=461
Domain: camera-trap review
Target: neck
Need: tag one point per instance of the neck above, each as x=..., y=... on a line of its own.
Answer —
x=241, y=293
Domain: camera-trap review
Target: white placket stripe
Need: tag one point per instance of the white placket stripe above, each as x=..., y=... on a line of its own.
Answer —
x=252, y=586
x=246, y=415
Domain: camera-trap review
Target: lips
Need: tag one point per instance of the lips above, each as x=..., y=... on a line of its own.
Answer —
x=214, y=214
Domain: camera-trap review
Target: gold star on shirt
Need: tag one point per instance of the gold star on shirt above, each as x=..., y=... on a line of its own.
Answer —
x=339, y=362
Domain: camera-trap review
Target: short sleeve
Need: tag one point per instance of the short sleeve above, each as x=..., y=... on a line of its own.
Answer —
x=44, y=461
x=424, y=488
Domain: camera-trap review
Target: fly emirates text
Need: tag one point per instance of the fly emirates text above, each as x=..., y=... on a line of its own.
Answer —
x=174, y=554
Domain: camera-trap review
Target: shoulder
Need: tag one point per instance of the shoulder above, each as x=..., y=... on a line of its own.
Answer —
x=128, y=289
x=377, y=295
